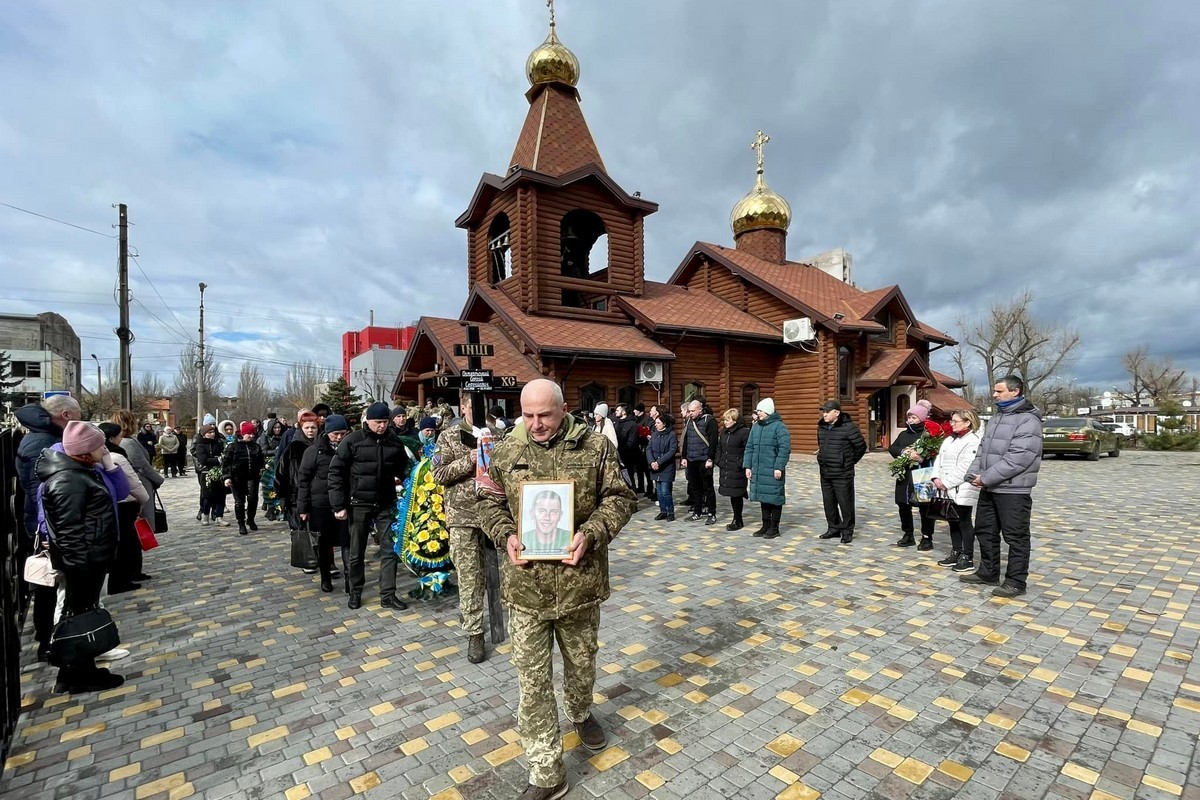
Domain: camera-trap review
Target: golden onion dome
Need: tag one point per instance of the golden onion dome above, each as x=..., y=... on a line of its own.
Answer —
x=762, y=207
x=552, y=62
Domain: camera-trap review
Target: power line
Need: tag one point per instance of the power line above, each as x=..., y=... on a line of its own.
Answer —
x=59, y=221
x=160, y=297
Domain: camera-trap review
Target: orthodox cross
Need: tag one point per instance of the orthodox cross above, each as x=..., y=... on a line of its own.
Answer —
x=757, y=146
x=550, y=4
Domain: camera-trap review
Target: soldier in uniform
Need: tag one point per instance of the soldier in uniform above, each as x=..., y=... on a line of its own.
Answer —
x=550, y=600
x=454, y=462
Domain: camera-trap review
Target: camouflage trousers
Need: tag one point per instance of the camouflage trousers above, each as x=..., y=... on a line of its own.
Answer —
x=537, y=714
x=466, y=551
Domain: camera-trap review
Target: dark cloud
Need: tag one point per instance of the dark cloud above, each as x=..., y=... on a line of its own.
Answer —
x=307, y=160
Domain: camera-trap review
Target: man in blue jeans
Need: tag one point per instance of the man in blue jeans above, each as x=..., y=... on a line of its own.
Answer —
x=362, y=487
x=1005, y=470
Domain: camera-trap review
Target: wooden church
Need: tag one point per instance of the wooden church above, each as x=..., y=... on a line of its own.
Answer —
x=732, y=324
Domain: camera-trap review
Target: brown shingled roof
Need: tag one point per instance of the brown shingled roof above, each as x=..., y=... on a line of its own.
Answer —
x=945, y=401
x=672, y=307
x=548, y=335
x=555, y=138
x=891, y=364
x=508, y=360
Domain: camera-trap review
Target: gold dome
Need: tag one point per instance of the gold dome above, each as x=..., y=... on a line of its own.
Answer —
x=762, y=207
x=552, y=62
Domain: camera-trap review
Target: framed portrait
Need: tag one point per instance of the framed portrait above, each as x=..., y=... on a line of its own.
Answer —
x=547, y=519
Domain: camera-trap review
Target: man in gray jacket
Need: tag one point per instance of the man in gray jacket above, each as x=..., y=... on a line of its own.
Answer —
x=1005, y=470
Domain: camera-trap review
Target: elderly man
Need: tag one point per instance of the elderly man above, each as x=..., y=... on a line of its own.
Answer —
x=45, y=423
x=699, y=450
x=551, y=600
x=1005, y=470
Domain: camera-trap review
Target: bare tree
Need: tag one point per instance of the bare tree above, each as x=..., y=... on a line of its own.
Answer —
x=1155, y=378
x=183, y=391
x=253, y=393
x=969, y=390
x=1010, y=339
x=299, y=383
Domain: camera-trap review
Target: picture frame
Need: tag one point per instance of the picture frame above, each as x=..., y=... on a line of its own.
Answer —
x=546, y=519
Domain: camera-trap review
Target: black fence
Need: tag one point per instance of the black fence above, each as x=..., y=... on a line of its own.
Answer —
x=12, y=590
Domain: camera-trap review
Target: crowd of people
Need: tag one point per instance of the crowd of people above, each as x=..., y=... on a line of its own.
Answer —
x=550, y=492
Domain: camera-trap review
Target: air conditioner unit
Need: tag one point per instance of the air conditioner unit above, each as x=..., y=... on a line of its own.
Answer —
x=649, y=372
x=798, y=330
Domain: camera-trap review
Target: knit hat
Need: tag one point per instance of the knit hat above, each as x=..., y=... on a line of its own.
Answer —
x=305, y=416
x=831, y=405
x=336, y=422
x=247, y=428
x=428, y=422
x=209, y=419
x=207, y=427
x=81, y=438
x=379, y=411
x=766, y=405
x=601, y=410
x=925, y=403
x=920, y=412
x=398, y=411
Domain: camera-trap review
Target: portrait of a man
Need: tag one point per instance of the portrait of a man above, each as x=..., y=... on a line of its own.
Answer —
x=547, y=514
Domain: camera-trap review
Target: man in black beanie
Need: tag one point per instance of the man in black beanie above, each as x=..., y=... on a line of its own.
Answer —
x=362, y=485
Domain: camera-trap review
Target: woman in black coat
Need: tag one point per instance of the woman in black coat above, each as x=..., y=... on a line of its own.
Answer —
x=731, y=447
x=80, y=487
x=914, y=427
x=206, y=455
x=312, y=500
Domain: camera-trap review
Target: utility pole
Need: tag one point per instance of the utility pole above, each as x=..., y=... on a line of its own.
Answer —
x=200, y=367
x=124, y=363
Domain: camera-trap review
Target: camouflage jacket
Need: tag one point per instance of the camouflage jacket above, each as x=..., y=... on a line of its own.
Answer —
x=454, y=469
x=603, y=504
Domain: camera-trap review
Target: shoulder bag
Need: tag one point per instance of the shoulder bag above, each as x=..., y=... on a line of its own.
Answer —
x=304, y=548
x=942, y=507
x=38, y=569
x=160, y=515
x=81, y=637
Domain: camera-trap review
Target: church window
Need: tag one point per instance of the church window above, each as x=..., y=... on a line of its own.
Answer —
x=750, y=398
x=845, y=373
x=499, y=249
x=583, y=241
x=628, y=395
x=693, y=391
x=591, y=395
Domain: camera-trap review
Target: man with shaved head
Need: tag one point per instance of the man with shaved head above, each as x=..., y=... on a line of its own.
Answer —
x=549, y=600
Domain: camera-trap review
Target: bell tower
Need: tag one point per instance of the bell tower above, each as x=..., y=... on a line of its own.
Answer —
x=556, y=232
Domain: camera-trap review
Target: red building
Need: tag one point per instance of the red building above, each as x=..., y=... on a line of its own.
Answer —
x=355, y=342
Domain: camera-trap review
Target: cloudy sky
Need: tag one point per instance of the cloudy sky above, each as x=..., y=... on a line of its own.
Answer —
x=307, y=160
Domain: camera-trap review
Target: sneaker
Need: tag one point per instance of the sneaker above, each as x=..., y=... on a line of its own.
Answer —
x=964, y=564
x=116, y=654
x=591, y=734
x=310, y=571
x=1007, y=590
x=975, y=577
x=546, y=792
x=695, y=516
x=906, y=541
x=224, y=523
x=949, y=561
x=205, y=520
x=394, y=602
x=711, y=519
x=475, y=650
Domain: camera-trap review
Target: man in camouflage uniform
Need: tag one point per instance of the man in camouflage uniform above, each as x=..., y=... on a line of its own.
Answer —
x=550, y=600
x=454, y=467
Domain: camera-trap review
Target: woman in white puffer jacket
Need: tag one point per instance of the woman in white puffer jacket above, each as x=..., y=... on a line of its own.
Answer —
x=949, y=475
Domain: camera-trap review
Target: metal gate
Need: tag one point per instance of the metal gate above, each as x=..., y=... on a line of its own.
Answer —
x=12, y=592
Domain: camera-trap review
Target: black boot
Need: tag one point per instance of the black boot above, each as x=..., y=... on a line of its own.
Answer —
x=250, y=523
x=736, y=525
x=766, y=524
x=773, y=529
x=926, y=543
x=906, y=540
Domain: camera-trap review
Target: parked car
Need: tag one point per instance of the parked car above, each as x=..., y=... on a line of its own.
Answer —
x=1079, y=436
x=1123, y=428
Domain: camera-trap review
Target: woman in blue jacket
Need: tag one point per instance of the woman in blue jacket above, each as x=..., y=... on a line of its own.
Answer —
x=660, y=457
x=766, y=459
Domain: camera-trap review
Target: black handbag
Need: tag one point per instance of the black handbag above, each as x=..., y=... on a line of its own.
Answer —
x=81, y=637
x=942, y=507
x=304, y=549
x=160, y=515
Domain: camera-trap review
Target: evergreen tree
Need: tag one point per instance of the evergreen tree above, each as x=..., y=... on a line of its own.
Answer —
x=6, y=380
x=1173, y=431
x=343, y=400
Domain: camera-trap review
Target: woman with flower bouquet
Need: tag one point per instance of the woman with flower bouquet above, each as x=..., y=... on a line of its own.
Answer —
x=916, y=446
x=206, y=456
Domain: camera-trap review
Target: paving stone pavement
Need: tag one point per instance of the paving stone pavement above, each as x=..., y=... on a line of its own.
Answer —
x=730, y=666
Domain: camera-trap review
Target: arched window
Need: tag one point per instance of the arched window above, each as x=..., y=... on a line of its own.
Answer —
x=499, y=249
x=692, y=391
x=845, y=373
x=591, y=395
x=629, y=395
x=579, y=234
x=750, y=398
x=902, y=404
